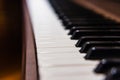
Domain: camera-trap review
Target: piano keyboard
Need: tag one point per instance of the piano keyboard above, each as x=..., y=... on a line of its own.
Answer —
x=57, y=56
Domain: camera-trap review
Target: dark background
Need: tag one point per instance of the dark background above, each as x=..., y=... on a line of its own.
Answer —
x=10, y=38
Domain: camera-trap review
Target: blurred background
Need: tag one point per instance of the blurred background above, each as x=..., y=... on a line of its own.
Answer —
x=10, y=39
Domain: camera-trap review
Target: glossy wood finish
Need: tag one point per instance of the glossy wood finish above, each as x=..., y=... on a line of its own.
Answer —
x=30, y=71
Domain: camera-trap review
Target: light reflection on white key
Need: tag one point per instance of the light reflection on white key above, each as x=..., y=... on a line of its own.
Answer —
x=57, y=50
x=70, y=72
x=62, y=61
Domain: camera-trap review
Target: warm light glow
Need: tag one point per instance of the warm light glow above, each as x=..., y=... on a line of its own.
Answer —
x=12, y=76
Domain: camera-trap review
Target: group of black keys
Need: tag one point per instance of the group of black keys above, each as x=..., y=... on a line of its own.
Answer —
x=98, y=37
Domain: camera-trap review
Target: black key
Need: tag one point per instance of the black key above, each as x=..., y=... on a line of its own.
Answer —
x=90, y=44
x=85, y=20
x=114, y=74
x=103, y=52
x=106, y=64
x=79, y=33
x=73, y=29
x=84, y=39
x=63, y=15
x=83, y=17
x=85, y=23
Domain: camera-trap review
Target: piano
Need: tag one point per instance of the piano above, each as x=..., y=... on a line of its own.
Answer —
x=60, y=40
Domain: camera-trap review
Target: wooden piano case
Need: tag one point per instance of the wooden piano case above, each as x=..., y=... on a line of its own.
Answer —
x=107, y=8
x=29, y=66
x=17, y=46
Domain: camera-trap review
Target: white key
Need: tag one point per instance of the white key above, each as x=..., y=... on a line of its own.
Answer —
x=58, y=58
x=58, y=50
x=69, y=73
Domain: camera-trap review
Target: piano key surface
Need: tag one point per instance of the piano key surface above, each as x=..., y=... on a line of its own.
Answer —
x=58, y=59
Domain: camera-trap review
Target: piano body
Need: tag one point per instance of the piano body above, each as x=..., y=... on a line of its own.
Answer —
x=28, y=48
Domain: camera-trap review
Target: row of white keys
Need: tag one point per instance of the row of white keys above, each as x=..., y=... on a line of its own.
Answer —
x=58, y=59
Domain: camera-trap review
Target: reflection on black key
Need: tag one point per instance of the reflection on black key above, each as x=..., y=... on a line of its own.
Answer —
x=114, y=74
x=73, y=29
x=85, y=23
x=82, y=21
x=103, y=52
x=84, y=39
x=106, y=64
x=79, y=33
x=90, y=44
